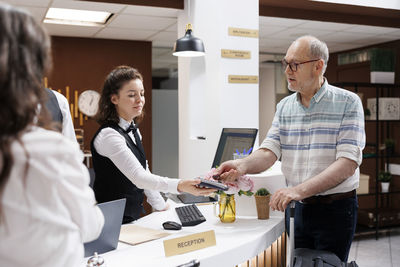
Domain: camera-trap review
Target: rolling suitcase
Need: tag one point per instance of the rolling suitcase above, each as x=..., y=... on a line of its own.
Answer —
x=305, y=257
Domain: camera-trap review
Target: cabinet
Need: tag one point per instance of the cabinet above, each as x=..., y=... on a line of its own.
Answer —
x=377, y=210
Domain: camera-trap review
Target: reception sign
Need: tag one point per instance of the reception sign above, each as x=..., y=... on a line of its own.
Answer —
x=189, y=243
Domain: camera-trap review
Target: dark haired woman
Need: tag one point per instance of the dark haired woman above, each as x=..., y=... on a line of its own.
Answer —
x=47, y=208
x=119, y=160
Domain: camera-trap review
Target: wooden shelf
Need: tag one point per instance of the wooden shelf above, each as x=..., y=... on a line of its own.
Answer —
x=362, y=230
x=382, y=120
x=366, y=85
x=379, y=193
x=380, y=156
x=381, y=131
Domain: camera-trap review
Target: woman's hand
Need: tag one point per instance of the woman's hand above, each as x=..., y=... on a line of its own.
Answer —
x=190, y=186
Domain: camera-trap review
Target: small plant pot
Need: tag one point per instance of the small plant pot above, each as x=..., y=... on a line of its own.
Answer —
x=385, y=187
x=262, y=204
x=389, y=151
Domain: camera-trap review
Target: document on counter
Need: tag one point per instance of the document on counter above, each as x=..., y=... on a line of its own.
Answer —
x=134, y=234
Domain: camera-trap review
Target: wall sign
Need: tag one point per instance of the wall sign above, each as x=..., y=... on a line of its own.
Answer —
x=242, y=78
x=228, y=53
x=243, y=32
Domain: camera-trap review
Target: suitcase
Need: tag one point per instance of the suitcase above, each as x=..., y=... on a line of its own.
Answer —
x=305, y=257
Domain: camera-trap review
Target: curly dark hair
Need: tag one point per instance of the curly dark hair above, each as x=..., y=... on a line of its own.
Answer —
x=24, y=59
x=115, y=80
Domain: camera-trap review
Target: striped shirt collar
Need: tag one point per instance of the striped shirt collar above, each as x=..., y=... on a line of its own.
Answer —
x=320, y=93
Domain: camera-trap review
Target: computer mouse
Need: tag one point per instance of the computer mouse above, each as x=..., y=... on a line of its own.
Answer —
x=170, y=225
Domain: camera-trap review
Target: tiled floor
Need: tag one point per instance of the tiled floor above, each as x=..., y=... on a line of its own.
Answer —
x=384, y=252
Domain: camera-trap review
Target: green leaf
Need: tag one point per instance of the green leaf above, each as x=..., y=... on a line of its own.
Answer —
x=247, y=193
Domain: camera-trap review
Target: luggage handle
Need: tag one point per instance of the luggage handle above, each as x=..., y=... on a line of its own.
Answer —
x=319, y=262
x=291, y=206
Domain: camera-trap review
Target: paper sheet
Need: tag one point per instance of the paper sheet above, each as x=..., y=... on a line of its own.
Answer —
x=133, y=234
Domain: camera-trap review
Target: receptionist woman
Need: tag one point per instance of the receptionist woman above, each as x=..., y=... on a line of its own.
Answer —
x=119, y=160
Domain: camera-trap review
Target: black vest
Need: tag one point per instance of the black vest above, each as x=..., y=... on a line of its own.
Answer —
x=111, y=184
x=53, y=107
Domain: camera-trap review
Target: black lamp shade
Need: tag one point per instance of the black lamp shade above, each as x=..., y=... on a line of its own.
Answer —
x=189, y=46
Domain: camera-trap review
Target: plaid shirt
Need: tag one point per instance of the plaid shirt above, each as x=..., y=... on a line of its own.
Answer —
x=309, y=140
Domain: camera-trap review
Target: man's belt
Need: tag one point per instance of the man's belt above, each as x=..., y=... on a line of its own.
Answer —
x=327, y=199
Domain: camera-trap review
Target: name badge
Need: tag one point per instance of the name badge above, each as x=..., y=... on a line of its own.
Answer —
x=189, y=243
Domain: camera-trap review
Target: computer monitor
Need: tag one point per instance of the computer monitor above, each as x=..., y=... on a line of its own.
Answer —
x=232, y=140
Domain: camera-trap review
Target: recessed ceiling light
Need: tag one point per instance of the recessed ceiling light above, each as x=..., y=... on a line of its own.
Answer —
x=76, y=17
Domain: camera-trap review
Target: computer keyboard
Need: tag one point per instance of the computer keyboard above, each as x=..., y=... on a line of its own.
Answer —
x=190, y=215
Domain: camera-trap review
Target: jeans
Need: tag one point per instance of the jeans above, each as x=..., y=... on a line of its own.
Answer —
x=327, y=227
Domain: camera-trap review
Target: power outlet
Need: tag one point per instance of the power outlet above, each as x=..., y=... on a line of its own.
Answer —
x=394, y=169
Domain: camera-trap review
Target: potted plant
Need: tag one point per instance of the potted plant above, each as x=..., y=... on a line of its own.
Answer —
x=389, y=145
x=382, y=65
x=384, y=177
x=262, y=203
x=367, y=113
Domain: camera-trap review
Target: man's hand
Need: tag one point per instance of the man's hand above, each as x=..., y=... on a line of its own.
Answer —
x=281, y=198
x=190, y=186
x=256, y=162
x=229, y=171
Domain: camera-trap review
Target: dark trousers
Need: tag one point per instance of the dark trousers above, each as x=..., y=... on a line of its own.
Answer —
x=327, y=227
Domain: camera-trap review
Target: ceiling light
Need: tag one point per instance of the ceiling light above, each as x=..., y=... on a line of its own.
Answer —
x=76, y=17
x=188, y=45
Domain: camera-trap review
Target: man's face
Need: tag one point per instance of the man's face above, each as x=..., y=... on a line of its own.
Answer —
x=305, y=75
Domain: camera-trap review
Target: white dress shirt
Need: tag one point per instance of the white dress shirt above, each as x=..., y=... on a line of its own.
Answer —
x=111, y=144
x=67, y=125
x=49, y=211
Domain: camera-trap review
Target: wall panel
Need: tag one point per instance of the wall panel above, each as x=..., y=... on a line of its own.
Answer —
x=83, y=63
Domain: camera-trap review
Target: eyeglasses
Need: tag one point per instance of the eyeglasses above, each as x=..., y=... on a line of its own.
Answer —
x=293, y=66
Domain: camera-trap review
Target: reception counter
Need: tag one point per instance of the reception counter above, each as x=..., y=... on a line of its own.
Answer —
x=236, y=242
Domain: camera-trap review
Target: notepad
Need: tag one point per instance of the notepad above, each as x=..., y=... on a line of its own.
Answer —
x=134, y=234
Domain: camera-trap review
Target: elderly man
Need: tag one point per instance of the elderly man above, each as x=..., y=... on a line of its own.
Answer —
x=318, y=133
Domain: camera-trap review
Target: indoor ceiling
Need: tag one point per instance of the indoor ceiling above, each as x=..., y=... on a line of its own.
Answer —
x=159, y=25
